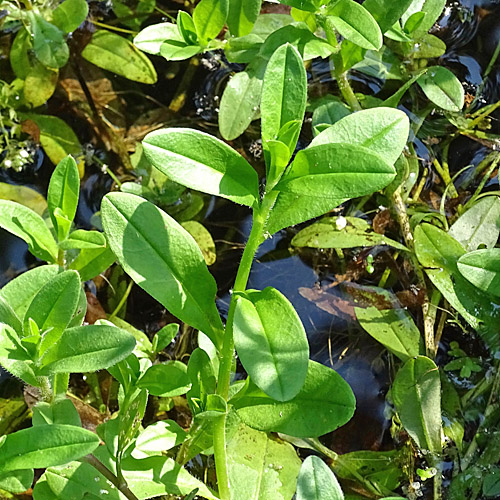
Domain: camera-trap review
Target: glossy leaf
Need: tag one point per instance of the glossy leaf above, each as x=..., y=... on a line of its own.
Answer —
x=115, y=53
x=63, y=192
x=209, y=17
x=274, y=355
x=260, y=467
x=416, y=393
x=17, y=481
x=336, y=171
x=443, y=88
x=19, y=292
x=92, y=262
x=381, y=130
x=482, y=269
x=200, y=161
x=393, y=328
x=163, y=259
x=48, y=42
x=30, y=227
x=356, y=24
x=284, y=92
x=341, y=232
x=480, y=225
x=151, y=38
x=316, y=481
x=56, y=445
x=324, y=403
x=53, y=307
x=68, y=15
x=166, y=379
x=242, y=16
x=87, y=349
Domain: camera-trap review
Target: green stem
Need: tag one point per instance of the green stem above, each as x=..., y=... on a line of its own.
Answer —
x=46, y=390
x=61, y=382
x=256, y=237
x=343, y=83
x=122, y=301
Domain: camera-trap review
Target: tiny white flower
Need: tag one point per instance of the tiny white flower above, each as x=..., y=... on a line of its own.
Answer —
x=341, y=223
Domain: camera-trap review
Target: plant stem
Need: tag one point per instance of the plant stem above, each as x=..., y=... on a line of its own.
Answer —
x=46, y=389
x=122, y=487
x=260, y=214
x=122, y=301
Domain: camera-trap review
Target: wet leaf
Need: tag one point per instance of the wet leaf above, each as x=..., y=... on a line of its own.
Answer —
x=163, y=259
x=17, y=481
x=87, y=349
x=56, y=445
x=166, y=380
x=284, y=92
x=202, y=162
x=275, y=357
x=68, y=15
x=30, y=227
x=329, y=233
x=242, y=16
x=203, y=238
x=356, y=24
x=209, y=17
x=393, y=328
x=381, y=130
x=316, y=481
x=324, y=403
x=40, y=84
x=23, y=195
x=416, y=393
x=482, y=269
x=115, y=53
x=260, y=467
x=480, y=225
x=443, y=88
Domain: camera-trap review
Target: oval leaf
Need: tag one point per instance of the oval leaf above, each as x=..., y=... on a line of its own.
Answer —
x=202, y=162
x=271, y=342
x=482, y=269
x=242, y=16
x=316, y=481
x=114, y=53
x=443, y=88
x=166, y=380
x=209, y=17
x=88, y=349
x=151, y=38
x=324, y=403
x=56, y=445
x=163, y=259
x=68, y=15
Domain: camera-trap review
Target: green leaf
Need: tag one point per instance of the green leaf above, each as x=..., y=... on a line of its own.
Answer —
x=82, y=238
x=432, y=10
x=56, y=445
x=186, y=27
x=158, y=437
x=324, y=403
x=56, y=136
x=143, y=347
x=92, y=262
x=9, y=317
x=356, y=24
x=393, y=328
x=164, y=336
x=202, y=162
x=53, y=307
x=242, y=16
x=163, y=259
x=114, y=53
x=40, y=84
x=151, y=38
x=61, y=411
x=68, y=15
x=341, y=232
x=385, y=12
x=17, y=481
x=14, y=357
x=166, y=380
x=172, y=50
x=20, y=292
x=284, y=92
x=416, y=393
x=482, y=269
x=30, y=227
x=382, y=130
x=88, y=349
x=316, y=481
x=480, y=225
x=25, y=196
x=48, y=42
x=413, y=22
x=336, y=171
x=331, y=111
x=276, y=357
x=307, y=5
x=443, y=88
x=203, y=238
x=63, y=192
x=209, y=17
x=260, y=467
x=241, y=99
x=19, y=54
